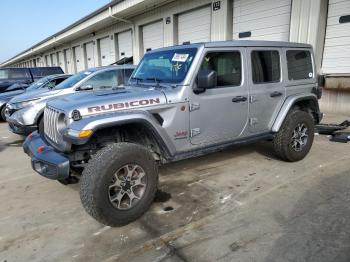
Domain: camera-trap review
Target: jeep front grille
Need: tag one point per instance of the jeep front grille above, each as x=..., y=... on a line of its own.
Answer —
x=50, y=124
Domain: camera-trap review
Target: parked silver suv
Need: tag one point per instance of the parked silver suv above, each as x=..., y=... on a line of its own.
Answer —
x=24, y=113
x=181, y=102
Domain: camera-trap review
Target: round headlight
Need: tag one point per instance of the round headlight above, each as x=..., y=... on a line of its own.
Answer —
x=61, y=122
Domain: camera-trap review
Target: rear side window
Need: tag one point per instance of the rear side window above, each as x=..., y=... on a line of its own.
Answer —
x=227, y=66
x=299, y=64
x=59, y=80
x=45, y=71
x=124, y=75
x=14, y=73
x=266, y=66
x=102, y=80
x=4, y=74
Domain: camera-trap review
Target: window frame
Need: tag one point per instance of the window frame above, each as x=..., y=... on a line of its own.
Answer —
x=238, y=50
x=308, y=80
x=281, y=65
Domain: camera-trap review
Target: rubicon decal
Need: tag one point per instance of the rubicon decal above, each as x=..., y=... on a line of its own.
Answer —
x=124, y=105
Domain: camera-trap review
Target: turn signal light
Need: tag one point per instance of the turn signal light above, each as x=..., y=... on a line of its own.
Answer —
x=85, y=133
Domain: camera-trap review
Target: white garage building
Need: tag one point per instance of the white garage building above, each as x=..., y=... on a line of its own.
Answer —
x=125, y=28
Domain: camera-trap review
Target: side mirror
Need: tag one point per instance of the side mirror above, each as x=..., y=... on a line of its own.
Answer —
x=206, y=79
x=84, y=88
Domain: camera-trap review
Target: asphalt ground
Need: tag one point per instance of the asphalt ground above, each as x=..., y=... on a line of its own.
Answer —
x=241, y=204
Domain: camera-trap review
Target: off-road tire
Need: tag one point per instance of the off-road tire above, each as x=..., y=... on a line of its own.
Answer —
x=282, y=140
x=97, y=175
x=2, y=114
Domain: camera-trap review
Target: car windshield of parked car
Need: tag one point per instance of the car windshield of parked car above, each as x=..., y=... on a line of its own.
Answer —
x=38, y=84
x=170, y=66
x=71, y=81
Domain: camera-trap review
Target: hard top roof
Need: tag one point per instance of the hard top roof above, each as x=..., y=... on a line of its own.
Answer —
x=240, y=43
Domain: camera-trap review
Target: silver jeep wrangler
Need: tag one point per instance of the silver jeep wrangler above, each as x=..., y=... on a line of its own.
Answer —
x=180, y=102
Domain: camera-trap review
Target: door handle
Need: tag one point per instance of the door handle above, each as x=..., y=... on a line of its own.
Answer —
x=275, y=94
x=239, y=99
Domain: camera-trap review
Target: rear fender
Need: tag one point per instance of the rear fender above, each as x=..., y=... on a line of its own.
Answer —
x=293, y=101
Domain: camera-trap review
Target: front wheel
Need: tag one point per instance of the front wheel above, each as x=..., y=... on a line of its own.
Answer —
x=41, y=126
x=119, y=183
x=294, y=140
x=2, y=113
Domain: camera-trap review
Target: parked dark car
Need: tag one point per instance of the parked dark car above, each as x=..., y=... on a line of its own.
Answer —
x=10, y=76
x=48, y=82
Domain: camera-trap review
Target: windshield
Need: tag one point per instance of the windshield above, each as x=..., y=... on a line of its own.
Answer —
x=170, y=66
x=38, y=84
x=71, y=81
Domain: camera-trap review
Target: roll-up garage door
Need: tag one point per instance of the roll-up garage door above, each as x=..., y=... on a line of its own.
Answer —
x=47, y=60
x=54, y=60
x=261, y=20
x=125, y=44
x=194, y=26
x=90, y=55
x=105, y=51
x=336, y=56
x=61, y=60
x=68, y=61
x=153, y=36
x=78, y=55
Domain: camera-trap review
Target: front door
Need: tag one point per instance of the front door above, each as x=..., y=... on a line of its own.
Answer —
x=220, y=114
x=266, y=88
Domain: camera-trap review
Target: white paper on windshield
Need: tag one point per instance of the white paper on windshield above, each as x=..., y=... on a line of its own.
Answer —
x=179, y=57
x=87, y=73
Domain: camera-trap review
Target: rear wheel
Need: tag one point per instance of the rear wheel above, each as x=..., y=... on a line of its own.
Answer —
x=119, y=183
x=294, y=140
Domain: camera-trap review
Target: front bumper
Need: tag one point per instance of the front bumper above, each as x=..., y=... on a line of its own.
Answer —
x=21, y=130
x=45, y=160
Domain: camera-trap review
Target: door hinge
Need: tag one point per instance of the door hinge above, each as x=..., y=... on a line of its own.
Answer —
x=252, y=99
x=195, y=132
x=253, y=121
x=194, y=107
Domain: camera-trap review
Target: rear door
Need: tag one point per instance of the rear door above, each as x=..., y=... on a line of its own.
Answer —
x=220, y=114
x=266, y=88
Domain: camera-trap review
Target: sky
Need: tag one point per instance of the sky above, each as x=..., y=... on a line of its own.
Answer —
x=24, y=23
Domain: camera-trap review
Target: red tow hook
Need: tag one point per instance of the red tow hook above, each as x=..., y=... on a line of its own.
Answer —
x=30, y=136
x=41, y=149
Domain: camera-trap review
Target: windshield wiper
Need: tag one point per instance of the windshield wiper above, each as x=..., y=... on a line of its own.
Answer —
x=155, y=79
x=159, y=84
x=137, y=79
